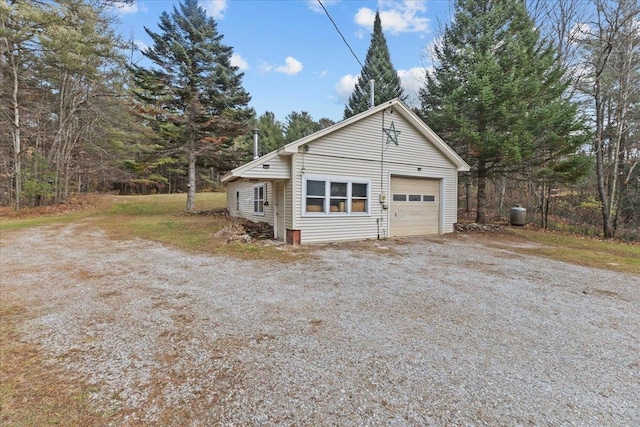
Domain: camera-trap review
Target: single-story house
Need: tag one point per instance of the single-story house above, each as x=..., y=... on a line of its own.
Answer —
x=381, y=173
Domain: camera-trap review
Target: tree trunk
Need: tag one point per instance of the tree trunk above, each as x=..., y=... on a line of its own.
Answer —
x=542, y=197
x=191, y=186
x=469, y=188
x=620, y=128
x=17, y=141
x=17, y=144
x=547, y=202
x=503, y=189
x=600, y=175
x=481, y=211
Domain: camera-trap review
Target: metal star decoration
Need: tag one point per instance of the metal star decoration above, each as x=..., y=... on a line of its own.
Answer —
x=392, y=133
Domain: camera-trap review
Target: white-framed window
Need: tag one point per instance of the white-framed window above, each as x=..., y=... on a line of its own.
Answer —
x=429, y=198
x=335, y=196
x=237, y=200
x=258, y=199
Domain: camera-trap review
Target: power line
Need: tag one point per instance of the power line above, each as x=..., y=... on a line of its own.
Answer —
x=339, y=32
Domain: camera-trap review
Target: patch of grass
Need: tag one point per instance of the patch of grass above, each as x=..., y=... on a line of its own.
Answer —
x=33, y=393
x=160, y=218
x=589, y=252
x=18, y=223
x=76, y=209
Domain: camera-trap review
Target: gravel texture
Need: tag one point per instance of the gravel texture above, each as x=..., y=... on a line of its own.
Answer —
x=425, y=331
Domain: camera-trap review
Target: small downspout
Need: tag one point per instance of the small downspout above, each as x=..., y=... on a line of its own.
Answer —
x=255, y=144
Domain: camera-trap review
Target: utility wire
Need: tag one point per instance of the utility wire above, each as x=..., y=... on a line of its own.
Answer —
x=339, y=32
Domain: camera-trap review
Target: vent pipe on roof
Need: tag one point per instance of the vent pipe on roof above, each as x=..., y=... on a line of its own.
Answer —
x=256, y=154
x=372, y=85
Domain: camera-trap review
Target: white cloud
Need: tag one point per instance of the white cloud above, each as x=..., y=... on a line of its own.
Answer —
x=580, y=32
x=214, y=8
x=322, y=74
x=315, y=6
x=396, y=16
x=140, y=45
x=127, y=9
x=292, y=66
x=265, y=67
x=412, y=81
x=239, y=61
x=344, y=88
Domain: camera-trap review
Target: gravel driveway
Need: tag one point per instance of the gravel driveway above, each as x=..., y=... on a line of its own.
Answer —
x=426, y=331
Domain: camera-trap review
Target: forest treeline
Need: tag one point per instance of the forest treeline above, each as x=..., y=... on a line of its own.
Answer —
x=80, y=115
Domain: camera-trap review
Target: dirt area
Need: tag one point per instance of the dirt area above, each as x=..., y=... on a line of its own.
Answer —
x=428, y=331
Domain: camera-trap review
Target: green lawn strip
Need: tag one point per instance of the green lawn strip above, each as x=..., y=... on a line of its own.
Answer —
x=14, y=224
x=585, y=251
x=161, y=218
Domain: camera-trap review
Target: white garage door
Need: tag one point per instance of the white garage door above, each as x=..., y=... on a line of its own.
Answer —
x=414, y=206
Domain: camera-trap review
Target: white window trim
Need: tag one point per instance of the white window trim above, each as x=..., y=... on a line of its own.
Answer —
x=327, y=199
x=256, y=187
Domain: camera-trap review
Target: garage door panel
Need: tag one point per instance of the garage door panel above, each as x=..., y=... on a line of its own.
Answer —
x=414, y=206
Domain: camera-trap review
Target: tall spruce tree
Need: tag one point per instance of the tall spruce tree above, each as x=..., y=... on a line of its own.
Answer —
x=497, y=95
x=192, y=95
x=377, y=66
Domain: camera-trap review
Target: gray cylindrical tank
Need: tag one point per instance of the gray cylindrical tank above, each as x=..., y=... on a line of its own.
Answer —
x=518, y=216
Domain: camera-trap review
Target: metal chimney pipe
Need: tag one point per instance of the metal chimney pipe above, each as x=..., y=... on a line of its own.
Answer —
x=372, y=85
x=255, y=144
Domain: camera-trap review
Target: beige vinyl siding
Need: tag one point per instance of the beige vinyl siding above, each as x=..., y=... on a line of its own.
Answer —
x=365, y=140
x=246, y=200
x=328, y=227
x=278, y=169
x=288, y=205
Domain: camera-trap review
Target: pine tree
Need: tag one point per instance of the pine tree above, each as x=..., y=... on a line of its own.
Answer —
x=377, y=66
x=497, y=94
x=271, y=132
x=193, y=96
x=299, y=125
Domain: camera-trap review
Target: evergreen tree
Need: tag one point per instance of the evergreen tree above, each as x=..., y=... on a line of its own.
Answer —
x=299, y=125
x=497, y=94
x=193, y=95
x=377, y=66
x=271, y=132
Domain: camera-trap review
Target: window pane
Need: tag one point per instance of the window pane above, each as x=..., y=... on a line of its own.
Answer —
x=255, y=206
x=315, y=188
x=359, y=205
x=315, y=205
x=255, y=193
x=338, y=205
x=427, y=198
x=415, y=197
x=338, y=189
x=399, y=197
x=359, y=190
x=261, y=192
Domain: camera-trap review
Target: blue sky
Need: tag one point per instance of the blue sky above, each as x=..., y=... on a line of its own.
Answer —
x=292, y=57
